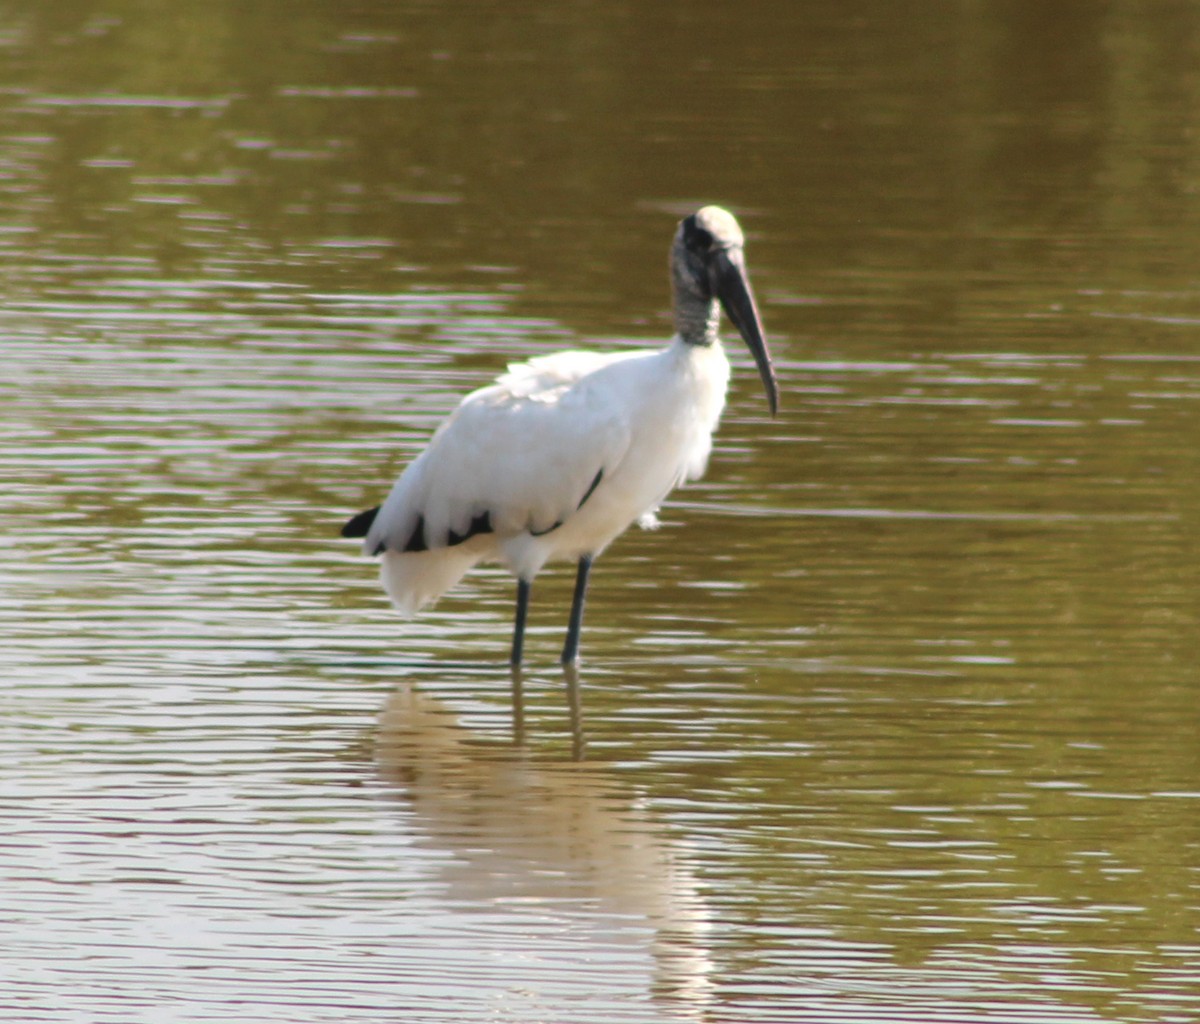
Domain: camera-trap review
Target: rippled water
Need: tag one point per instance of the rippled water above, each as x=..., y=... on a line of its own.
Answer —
x=895, y=719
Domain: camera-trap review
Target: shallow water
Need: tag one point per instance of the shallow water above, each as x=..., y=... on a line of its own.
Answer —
x=894, y=719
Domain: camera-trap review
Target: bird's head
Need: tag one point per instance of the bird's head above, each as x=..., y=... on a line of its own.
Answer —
x=707, y=269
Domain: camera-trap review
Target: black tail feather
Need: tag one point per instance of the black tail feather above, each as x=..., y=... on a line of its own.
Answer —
x=360, y=525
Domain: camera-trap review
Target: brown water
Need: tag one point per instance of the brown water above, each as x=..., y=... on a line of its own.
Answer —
x=897, y=717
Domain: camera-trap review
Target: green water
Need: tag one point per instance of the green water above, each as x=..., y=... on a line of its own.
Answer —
x=895, y=719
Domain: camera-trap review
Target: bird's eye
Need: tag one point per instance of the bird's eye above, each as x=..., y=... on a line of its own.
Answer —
x=695, y=237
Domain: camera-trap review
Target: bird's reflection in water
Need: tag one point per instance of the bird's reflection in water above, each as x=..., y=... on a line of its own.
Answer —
x=559, y=838
x=574, y=709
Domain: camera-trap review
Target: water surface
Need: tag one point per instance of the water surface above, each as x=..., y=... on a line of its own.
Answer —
x=894, y=719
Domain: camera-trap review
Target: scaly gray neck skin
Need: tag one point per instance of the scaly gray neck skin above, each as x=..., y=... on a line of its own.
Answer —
x=696, y=321
x=697, y=313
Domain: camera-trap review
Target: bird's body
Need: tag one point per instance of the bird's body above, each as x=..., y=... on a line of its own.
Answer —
x=635, y=424
x=558, y=457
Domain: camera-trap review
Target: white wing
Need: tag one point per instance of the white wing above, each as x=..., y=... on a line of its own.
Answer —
x=544, y=377
x=521, y=454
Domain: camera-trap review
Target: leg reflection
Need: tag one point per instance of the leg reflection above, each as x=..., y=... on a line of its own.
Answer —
x=575, y=711
x=518, y=705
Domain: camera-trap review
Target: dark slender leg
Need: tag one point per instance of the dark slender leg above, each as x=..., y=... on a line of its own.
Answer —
x=571, y=647
x=518, y=645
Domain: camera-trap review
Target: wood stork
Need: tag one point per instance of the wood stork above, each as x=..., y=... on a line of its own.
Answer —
x=562, y=453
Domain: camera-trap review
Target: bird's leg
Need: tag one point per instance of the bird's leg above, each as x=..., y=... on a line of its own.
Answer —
x=518, y=644
x=571, y=647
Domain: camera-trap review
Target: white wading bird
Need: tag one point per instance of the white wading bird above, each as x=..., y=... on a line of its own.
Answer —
x=563, y=452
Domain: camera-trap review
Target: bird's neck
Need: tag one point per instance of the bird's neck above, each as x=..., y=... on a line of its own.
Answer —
x=696, y=320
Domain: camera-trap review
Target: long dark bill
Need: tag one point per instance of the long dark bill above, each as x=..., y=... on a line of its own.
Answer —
x=732, y=287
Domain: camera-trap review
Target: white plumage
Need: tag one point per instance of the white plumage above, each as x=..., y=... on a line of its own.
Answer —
x=563, y=452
